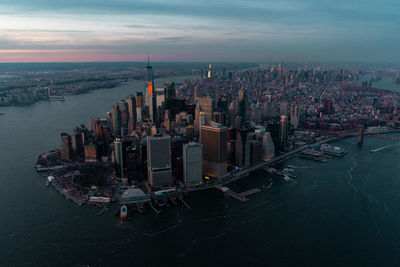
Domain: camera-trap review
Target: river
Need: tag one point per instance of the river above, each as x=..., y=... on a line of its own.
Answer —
x=345, y=212
x=384, y=83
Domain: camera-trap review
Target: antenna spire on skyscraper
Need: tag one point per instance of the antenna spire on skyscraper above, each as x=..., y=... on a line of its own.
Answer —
x=148, y=59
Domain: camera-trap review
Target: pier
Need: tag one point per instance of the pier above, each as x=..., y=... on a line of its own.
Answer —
x=312, y=157
x=184, y=203
x=282, y=173
x=103, y=210
x=250, y=192
x=239, y=196
x=153, y=208
x=231, y=193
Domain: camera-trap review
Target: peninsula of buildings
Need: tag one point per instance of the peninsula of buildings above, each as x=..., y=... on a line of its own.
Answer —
x=158, y=144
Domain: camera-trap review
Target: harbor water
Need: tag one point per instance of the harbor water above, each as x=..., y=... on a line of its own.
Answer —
x=342, y=213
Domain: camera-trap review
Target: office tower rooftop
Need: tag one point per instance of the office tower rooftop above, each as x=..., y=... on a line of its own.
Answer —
x=159, y=161
x=214, y=141
x=192, y=163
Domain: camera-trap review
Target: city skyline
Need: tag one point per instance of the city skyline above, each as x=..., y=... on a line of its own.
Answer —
x=72, y=31
x=196, y=133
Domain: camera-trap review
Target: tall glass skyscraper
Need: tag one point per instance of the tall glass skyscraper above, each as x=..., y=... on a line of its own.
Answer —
x=214, y=141
x=159, y=161
x=150, y=93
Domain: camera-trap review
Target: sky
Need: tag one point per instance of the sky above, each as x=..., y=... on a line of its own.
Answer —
x=203, y=30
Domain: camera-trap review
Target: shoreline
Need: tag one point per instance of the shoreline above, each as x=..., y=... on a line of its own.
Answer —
x=228, y=179
x=89, y=90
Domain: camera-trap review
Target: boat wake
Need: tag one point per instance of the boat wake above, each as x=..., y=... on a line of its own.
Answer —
x=349, y=182
x=382, y=148
x=267, y=187
x=362, y=190
x=288, y=179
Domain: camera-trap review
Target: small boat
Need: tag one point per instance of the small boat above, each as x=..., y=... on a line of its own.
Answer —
x=49, y=180
x=124, y=212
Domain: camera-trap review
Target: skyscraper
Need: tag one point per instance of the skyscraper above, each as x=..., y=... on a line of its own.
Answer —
x=119, y=157
x=197, y=120
x=243, y=102
x=210, y=73
x=207, y=105
x=192, y=163
x=268, y=147
x=98, y=130
x=76, y=142
x=139, y=106
x=131, y=101
x=90, y=153
x=109, y=120
x=255, y=152
x=66, y=152
x=116, y=120
x=123, y=107
x=283, y=132
x=169, y=90
x=218, y=117
x=91, y=123
x=283, y=108
x=160, y=97
x=159, y=161
x=294, y=116
x=85, y=136
x=214, y=141
x=242, y=149
x=150, y=92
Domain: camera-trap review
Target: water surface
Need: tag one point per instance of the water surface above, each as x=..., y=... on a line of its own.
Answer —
x=345, y=212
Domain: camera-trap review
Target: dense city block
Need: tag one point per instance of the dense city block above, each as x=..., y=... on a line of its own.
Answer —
x=158, y=144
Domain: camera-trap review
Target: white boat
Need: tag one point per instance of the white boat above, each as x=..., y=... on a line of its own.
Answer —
x=49, y=180
x=123, y=212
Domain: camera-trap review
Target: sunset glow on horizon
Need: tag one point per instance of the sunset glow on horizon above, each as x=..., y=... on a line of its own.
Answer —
x=47, y=56
x=289, y=30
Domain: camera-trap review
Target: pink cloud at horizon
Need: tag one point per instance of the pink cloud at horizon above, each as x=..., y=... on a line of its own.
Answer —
x=45, y=56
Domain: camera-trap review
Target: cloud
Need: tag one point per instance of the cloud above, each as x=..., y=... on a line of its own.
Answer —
x=285, y=11
x=174, y=38
x=43, y=30
x=235, y=29
x=138, y=26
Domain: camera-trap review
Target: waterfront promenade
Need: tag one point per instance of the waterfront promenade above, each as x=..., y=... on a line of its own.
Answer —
x=234, y=176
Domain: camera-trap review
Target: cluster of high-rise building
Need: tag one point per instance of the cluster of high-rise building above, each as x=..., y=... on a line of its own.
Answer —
x=221, y=123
